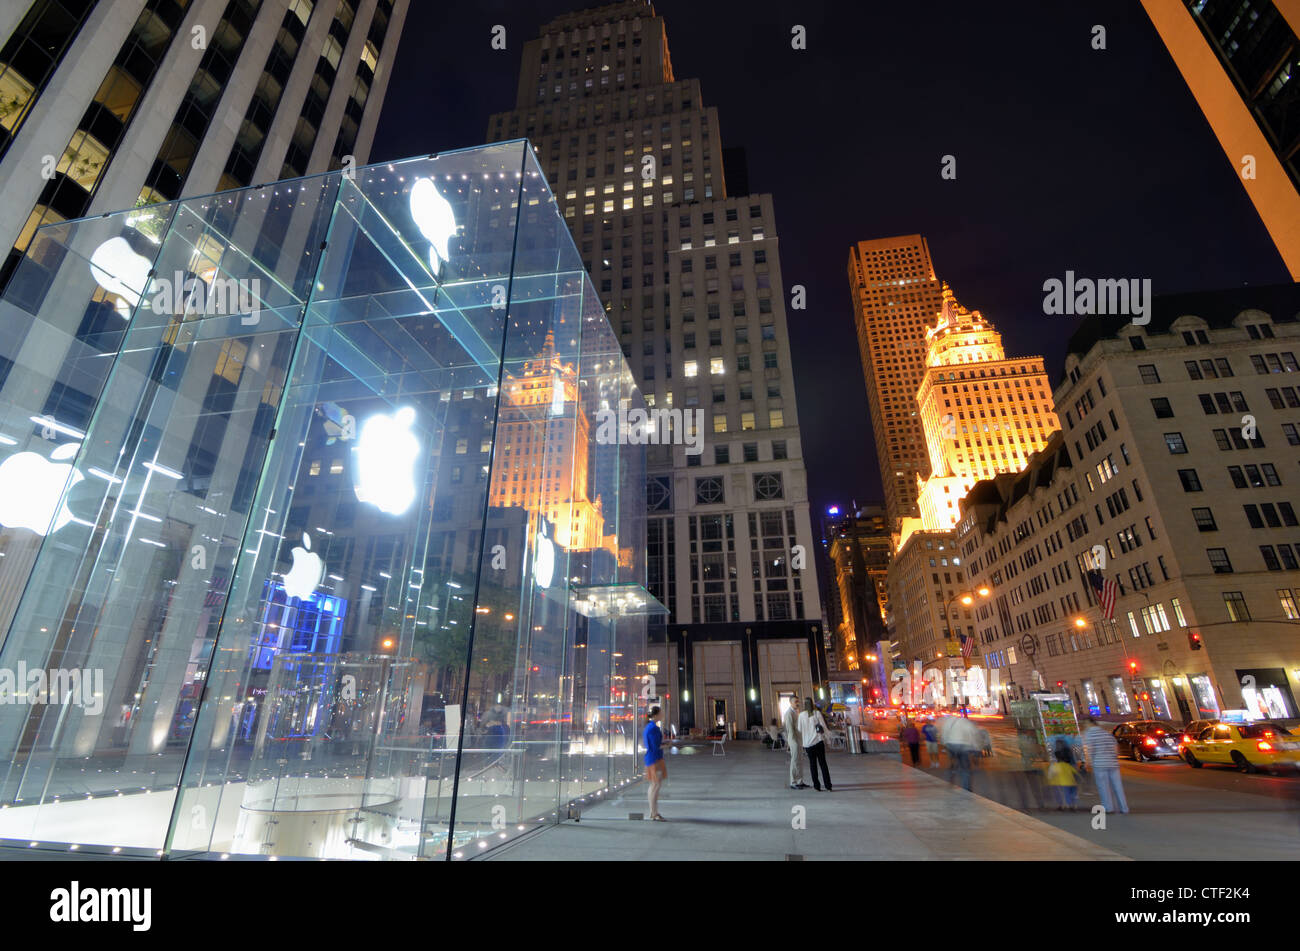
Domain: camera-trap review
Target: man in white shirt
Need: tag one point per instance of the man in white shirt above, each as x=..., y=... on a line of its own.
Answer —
x=812, y=733
x=962, y=739
x=790, y=726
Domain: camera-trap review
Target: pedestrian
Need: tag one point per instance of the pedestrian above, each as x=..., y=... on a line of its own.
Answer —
x=986, y=742
x=1029, y=777
x=791, y=727
x=961, y=739
x=931, y=741
x=812, y=735
x=656, y=767
x=912, y=737
x=1103, y=760
x=1064, y=778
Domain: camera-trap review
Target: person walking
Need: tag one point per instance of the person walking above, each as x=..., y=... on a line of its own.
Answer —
x=791, y=726
x=1103, y=760
x=1029, y=777
x=931, y=741
x=960, y=737
x=656, y=767
x=912, y=737
x=812, y=736
x=1064, y=778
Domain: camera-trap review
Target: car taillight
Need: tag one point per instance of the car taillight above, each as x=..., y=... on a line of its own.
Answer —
x=1149, y=742
x=1185, y=739
x=1264, y=746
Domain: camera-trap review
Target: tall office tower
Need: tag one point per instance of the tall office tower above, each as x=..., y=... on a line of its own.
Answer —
x=106, y=104
x=690, y=276
x=895, y=295
x=982, y=413
x=1241, y=60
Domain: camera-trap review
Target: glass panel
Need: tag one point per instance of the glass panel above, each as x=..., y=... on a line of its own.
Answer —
x=324, y=481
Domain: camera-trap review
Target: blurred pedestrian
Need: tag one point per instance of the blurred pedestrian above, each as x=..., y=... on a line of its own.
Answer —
x=961, y=739
x=986, y=742
x=1103, y=759
x=1028, y=776
x=931, y=741
x=791, y=727
x=812, y=734
x=1063, y=777
x=912, y=737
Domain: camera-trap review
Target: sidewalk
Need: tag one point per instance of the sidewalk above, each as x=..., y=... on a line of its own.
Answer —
x=740, y=807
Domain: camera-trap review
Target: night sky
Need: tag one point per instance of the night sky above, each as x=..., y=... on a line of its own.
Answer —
x=1068, y=158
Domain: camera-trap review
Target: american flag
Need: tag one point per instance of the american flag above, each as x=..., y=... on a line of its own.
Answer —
x=1104, y=588
x=966, y=644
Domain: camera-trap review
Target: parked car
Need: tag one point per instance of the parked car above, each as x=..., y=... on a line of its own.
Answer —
x=1247, y=746
x=1147, y=740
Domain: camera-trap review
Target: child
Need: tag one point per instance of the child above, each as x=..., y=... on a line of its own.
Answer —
x=1064, y=778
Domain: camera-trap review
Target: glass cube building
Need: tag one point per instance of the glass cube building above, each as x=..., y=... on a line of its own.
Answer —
x=319, y=539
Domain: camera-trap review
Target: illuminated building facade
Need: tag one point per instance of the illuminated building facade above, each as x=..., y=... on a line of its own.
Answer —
x=1241, y=61
x=982, y=413
x=253, y=555
x=689, y=271
x=1191, y=515
x=895, y=295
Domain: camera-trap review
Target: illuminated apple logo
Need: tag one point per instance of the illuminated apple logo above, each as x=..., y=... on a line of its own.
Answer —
x=31, y=489
x=434, y=217
x=385, y=461
x=119, y=270
x=543, y=558
x=305, y=574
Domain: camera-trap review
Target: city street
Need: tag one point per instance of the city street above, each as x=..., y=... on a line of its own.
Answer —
x=1176, y=812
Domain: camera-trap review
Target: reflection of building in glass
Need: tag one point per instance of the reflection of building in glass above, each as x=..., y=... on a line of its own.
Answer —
x=541, y=440
x=857, y=545
x=271, y=535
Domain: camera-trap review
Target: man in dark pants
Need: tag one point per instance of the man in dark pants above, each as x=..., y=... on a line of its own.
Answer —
x=812, y=735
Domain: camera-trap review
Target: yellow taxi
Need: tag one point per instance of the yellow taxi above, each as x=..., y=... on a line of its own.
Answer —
x=1247, y=746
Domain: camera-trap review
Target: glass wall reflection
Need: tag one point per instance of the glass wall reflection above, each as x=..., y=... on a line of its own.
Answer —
x=312, y=481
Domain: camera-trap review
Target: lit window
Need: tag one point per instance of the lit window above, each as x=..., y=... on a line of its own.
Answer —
x=716, y=367
x=691, y=368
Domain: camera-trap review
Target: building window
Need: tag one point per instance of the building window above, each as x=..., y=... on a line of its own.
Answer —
x=1286, y=597
x=1162, y=408
x=1204, y=520
x=1235, y=602
x=1270, y=558
x=1219, y=560
x=768, y=486
x=708, y=491
x=1189, y=480
x=1174, y=443
x=1149, y=373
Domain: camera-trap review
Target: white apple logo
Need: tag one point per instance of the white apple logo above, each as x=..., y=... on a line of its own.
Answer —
x=119, y=270
x=434, y=217
x=385, y=454
x=300, y=581
x=31, y=488
x=543, y=558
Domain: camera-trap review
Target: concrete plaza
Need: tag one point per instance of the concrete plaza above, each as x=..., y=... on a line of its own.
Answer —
x=739, y=806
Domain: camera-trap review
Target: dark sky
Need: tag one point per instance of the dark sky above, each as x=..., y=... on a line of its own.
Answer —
x=1067, y=157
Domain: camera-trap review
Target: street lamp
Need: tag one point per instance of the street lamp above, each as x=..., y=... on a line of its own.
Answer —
x=966, y=598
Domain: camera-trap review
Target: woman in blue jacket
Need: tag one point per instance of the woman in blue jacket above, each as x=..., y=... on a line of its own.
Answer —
x=656, y=768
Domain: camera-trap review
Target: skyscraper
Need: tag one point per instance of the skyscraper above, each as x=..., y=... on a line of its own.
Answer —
x=1241, y=61
x=690, y=276
x=895, y=294
x=109, y=104
x=982, y=413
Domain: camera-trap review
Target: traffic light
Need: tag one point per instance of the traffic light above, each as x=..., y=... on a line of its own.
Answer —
x=1133, y=666
x=1060, y=684
x=1193, y=640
